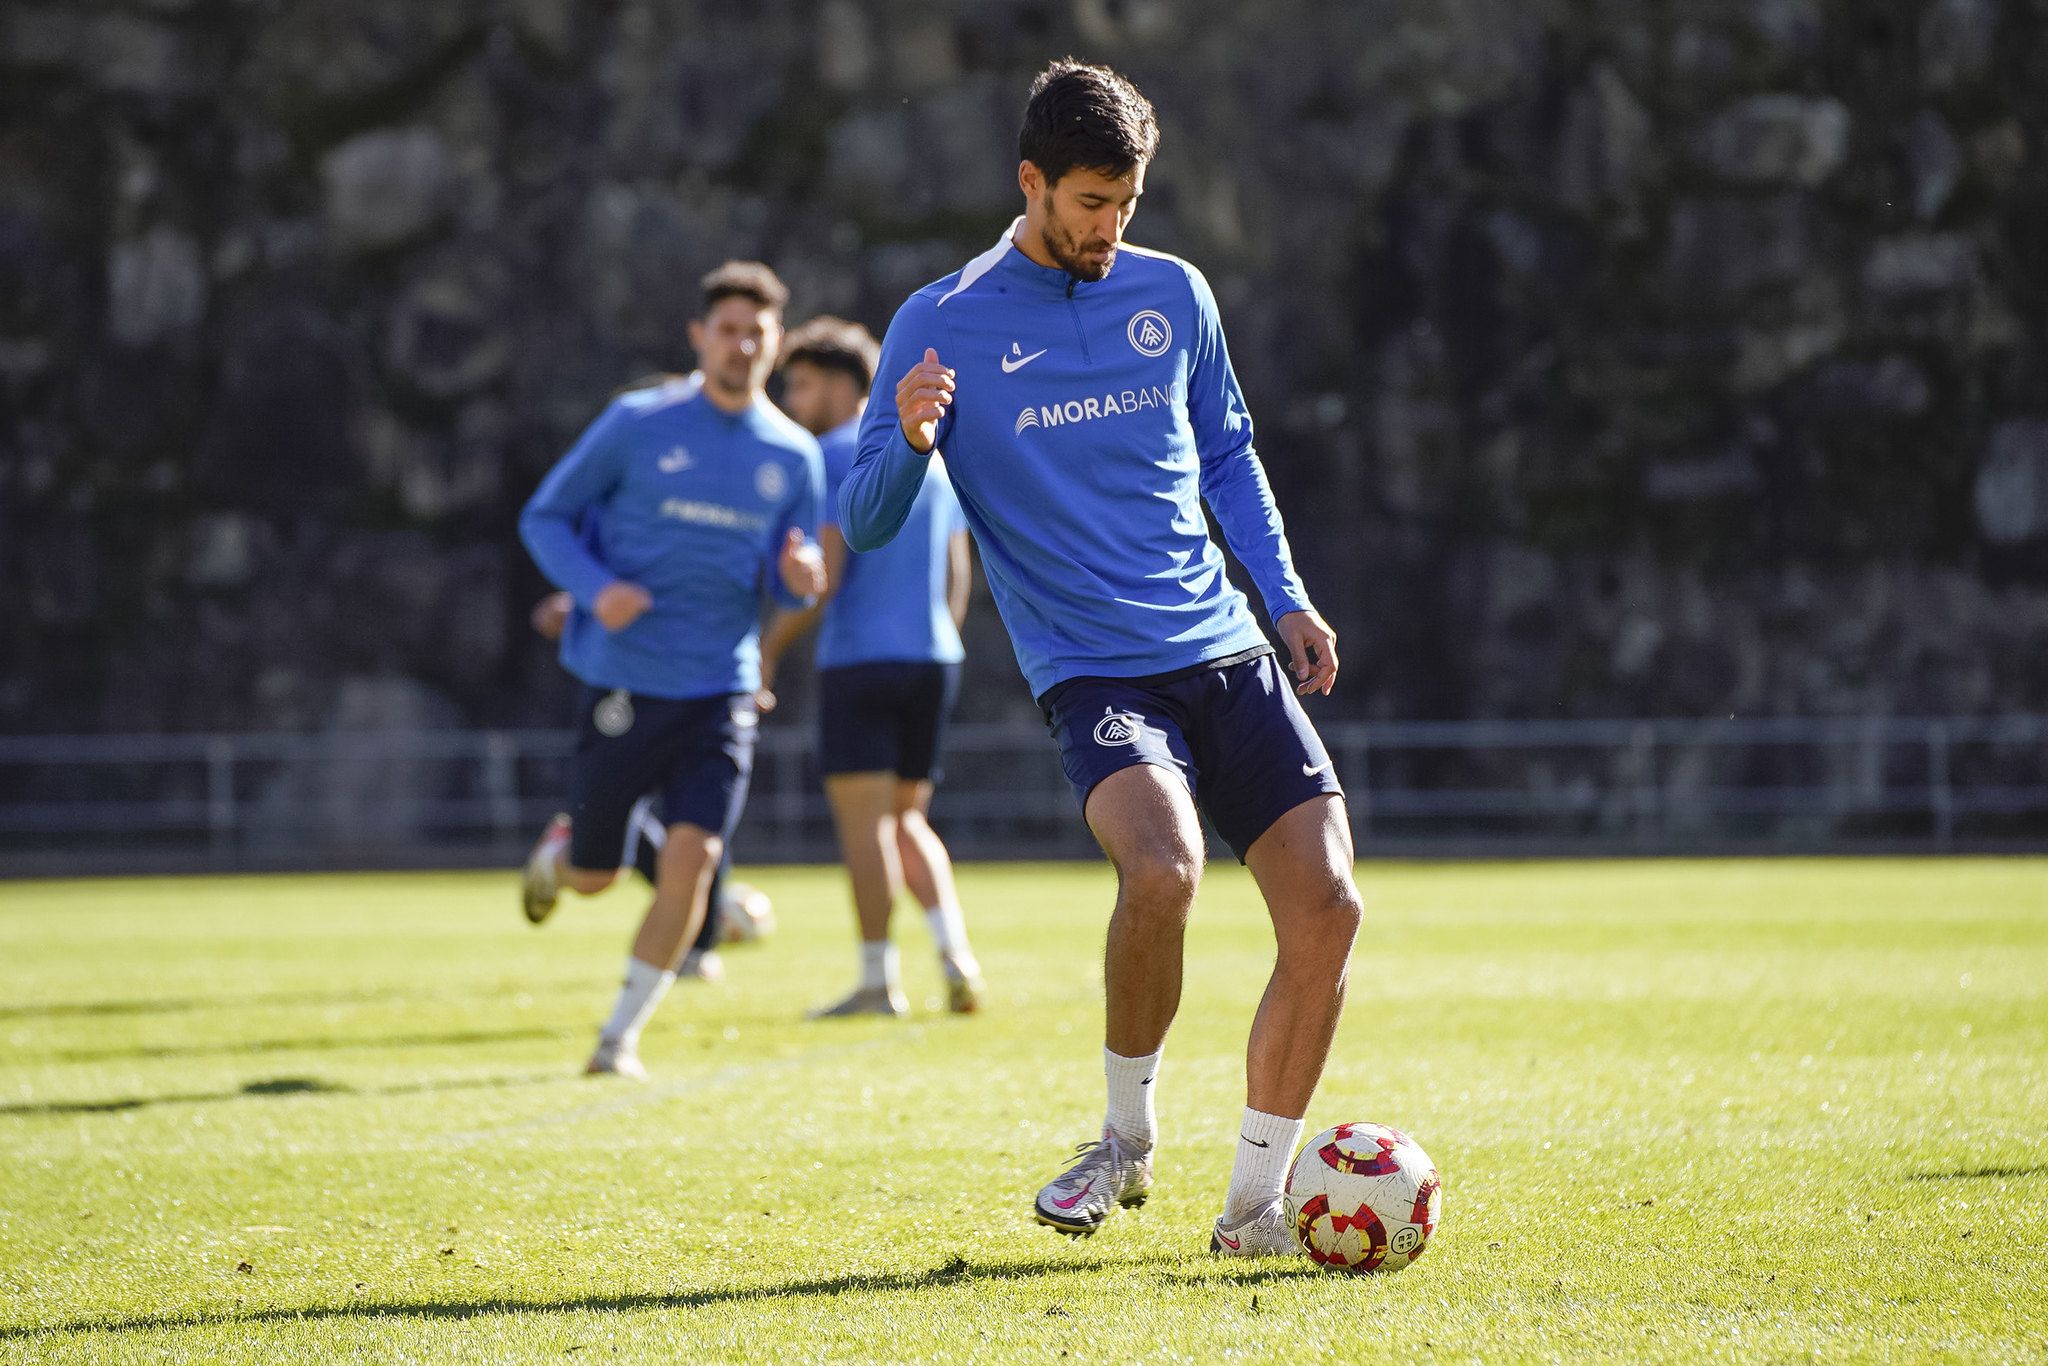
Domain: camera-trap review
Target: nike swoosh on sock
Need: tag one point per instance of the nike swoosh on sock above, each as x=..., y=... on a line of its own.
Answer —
x=1255, y=1142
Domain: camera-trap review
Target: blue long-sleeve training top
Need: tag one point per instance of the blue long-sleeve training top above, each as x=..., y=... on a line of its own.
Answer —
x=1090, y=421
x=692, y=503
x=892, y=603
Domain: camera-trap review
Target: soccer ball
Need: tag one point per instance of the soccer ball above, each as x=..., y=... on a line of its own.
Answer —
x=1362, y=1197
x=745, y=913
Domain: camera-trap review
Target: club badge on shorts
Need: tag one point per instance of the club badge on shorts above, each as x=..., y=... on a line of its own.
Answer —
x=1118, y=727
x=614, y=714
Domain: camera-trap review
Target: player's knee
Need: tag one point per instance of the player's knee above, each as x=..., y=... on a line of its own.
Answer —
x=1160, y=881
x=1324, y=927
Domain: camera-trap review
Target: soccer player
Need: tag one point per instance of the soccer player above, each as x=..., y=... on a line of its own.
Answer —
x=663, y=522
x=1084, y=399
x=888, y=662
x=733, y=912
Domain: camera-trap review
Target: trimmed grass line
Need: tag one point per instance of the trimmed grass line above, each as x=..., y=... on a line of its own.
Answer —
x=453, y=1039
x=647, y=1093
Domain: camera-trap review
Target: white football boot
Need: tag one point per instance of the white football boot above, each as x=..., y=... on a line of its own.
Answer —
x=1101, y=1177
x=617, y=1059
x=701, y=965
x=865, y=1001
x=539, y=885
x=964, y=987
x=1262, y=1233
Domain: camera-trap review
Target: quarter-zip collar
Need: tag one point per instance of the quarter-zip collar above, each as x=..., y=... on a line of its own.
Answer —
x=1048, y=280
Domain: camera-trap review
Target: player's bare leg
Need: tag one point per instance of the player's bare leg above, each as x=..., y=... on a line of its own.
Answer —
x=1145, y=821
x=688, y=859
x=1303, y=868
x=863, y=813
x=928, y=872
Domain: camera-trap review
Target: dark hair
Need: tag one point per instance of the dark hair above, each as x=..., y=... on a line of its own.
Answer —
x=1086, y=116
x=835, y=345
x=745, y=280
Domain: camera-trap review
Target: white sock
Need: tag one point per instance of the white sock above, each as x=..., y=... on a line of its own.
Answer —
x=644, y=987
x=878, y=964
x=1130, y=1097
x=949, y=929
x=949, y=934
x=1265, y=1145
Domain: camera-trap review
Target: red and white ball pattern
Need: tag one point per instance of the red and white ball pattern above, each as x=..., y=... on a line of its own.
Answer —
x=1363, y=1197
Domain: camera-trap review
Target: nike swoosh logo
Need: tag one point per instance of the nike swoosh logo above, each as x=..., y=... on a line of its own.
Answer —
x=1256, y=1143
x=1146, y=1082
x=1233, y=1244
x=1308, y=771
x=1075, y=1198
x=1012, y=364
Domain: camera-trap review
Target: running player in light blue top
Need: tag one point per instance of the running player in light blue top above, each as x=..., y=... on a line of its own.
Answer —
x=1083, y=396
x=665, y=522
x=888, y=672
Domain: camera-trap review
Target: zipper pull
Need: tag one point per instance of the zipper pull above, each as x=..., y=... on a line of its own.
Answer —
x=1070, y=286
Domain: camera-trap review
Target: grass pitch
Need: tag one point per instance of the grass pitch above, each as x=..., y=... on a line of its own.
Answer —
x=1741, y=1109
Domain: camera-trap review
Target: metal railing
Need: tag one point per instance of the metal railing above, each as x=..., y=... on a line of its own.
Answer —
x=86, y=803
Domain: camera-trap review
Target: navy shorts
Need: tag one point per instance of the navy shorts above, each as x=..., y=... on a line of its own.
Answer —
x=887, y=717
x=1233, y=730
x=692, y=756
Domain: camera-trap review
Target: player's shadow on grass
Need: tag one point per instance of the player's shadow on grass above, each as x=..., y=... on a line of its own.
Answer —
x=174, y=1005
x=453, y=1039
x=958, y=1271
x=272, y=1086
x=1984, y=1173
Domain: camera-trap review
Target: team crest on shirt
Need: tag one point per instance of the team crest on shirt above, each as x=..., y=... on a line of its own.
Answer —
x=614, y=714
x=769, y=481
x=1118, y=727
x=1149, y=332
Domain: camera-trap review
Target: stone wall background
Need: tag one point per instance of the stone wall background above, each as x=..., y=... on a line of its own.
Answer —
x=1662, y=357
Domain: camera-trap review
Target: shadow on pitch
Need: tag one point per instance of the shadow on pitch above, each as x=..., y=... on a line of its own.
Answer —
x=1259, y=1271
x=176, y=1005
x=1984, y=1173
x=454, y=1039
x=958, y=1271
x=271, y=1086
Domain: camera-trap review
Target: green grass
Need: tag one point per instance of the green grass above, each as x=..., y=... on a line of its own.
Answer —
x=1744, y=1109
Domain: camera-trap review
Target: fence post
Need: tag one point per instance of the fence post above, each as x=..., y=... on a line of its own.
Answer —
x=789, y=800
x=501, y=787
x=220, y=799
x=1358, y=781
x=1941, y=797
x=1642, y=750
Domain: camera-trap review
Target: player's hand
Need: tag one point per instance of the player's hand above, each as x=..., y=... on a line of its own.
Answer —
x=802, y=565
x=922, y=399
x=619, y=604
x=764, y=696
x=1312, y=646
x=551, y=614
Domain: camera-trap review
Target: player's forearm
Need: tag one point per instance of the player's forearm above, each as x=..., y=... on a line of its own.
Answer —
x=880, y=489
x=959, y=578
x=561, y=555
x=785, y=629
x=1236, y=490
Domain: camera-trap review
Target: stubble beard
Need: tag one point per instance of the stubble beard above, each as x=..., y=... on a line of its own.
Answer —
x=1065, y=252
